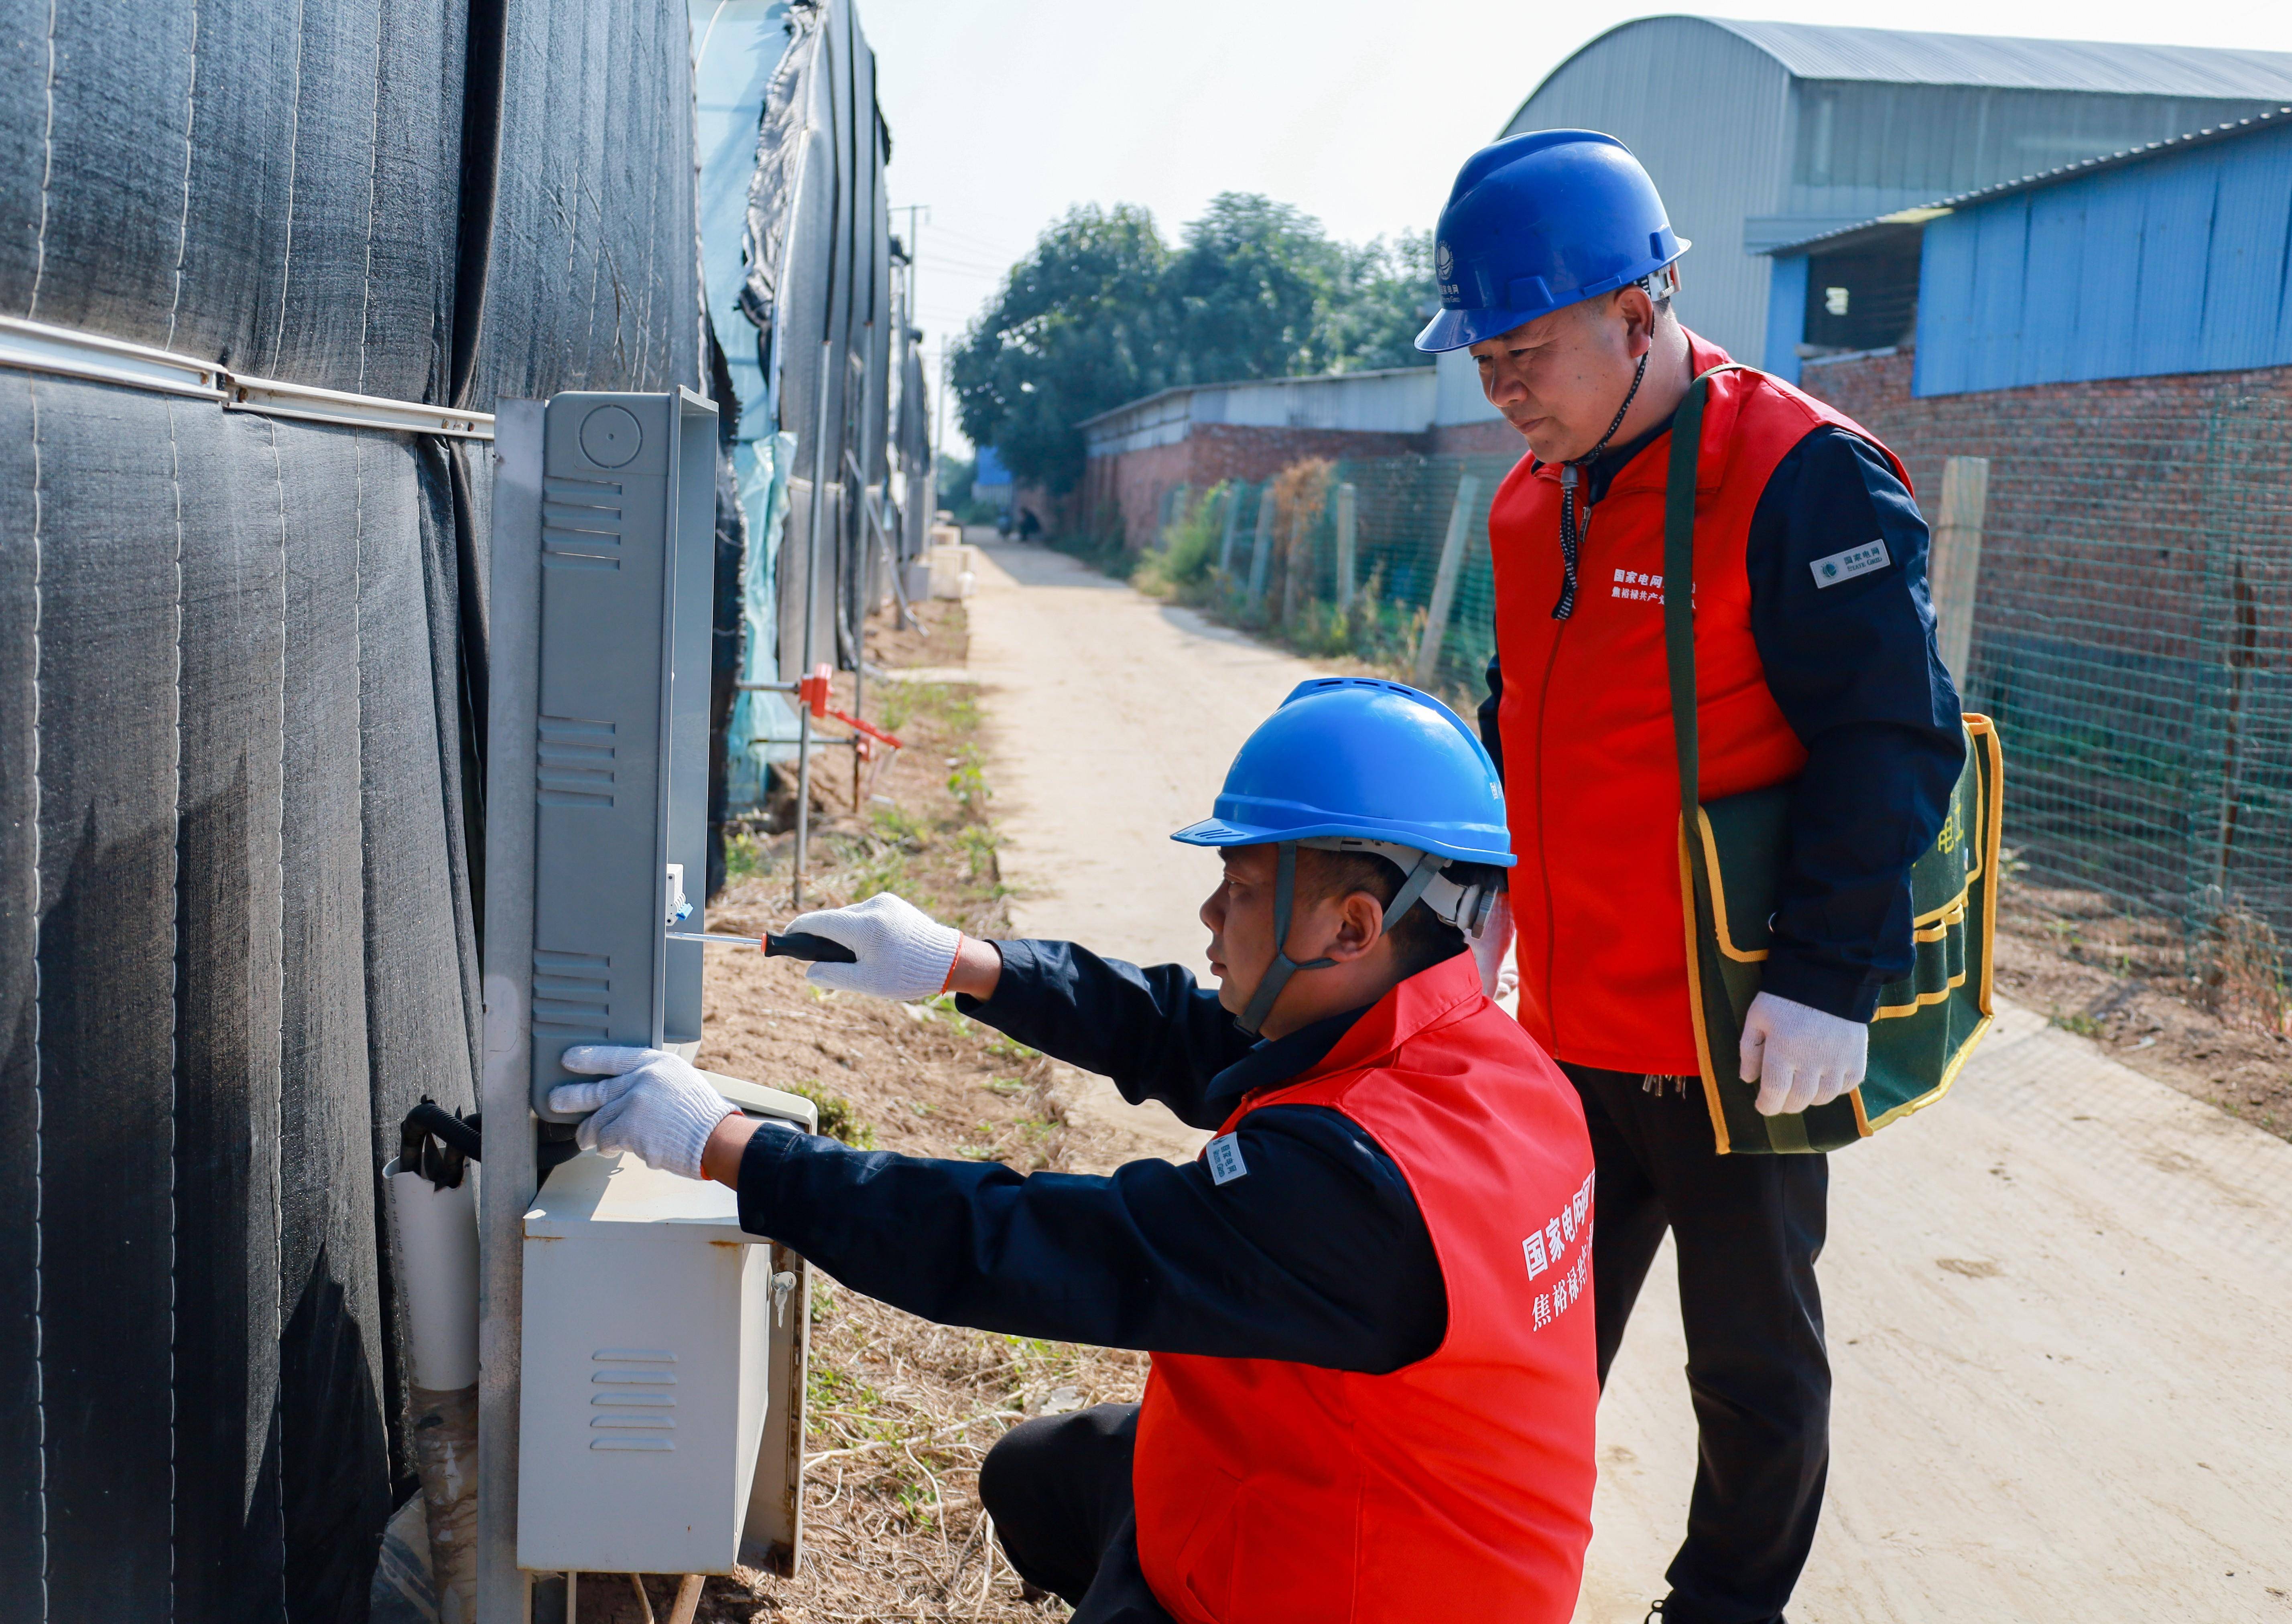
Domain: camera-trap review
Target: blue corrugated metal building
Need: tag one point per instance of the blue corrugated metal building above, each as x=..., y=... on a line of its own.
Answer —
x=990, y=481
x=2111, y=342
x=2173, y=257
x=1761, y=133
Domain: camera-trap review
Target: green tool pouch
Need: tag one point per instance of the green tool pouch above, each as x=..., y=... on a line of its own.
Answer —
x=1730, y=864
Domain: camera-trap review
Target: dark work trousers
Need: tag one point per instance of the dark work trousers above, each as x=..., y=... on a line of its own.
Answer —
x=1059, y=1490
x=1748, y=1229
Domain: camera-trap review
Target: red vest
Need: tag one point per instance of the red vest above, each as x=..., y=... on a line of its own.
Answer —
x=1460, y=1487
x=1591, y=772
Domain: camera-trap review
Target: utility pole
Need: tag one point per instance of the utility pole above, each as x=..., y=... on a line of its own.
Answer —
x=919, y=216
x=914, y=231
x=911, y=210
x=939, y=422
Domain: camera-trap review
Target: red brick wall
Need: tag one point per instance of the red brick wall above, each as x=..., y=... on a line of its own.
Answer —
x=1139, y=480
x=2133, y=621
x=1494, y=437
x=1230, y=451
x=2109, y=502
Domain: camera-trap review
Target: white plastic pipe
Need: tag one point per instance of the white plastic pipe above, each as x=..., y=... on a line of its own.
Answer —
x=434, y=1233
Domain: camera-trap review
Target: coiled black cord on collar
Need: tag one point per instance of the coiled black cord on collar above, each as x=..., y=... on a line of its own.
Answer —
x=1569, y=540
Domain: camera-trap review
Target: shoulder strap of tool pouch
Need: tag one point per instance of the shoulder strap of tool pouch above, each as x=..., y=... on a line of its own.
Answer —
x=1731, y=854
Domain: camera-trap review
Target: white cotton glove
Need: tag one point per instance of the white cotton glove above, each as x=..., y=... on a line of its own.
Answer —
x=902, y=952
x=1799, y=1056
x=648, y=1103
x=1492, y=950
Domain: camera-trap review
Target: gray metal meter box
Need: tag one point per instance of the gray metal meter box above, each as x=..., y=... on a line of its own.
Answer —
x=642, y=1360
x=628, y=537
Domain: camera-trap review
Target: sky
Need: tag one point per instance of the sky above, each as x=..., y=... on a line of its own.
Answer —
x=1005, y=113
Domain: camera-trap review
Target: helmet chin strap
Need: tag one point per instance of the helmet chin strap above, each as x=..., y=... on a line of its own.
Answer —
x=1571, y=536
x=1285, y=897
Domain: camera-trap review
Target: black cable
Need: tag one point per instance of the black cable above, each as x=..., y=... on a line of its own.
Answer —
x=1569, y=541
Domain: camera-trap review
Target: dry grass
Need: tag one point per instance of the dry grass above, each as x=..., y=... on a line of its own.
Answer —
x=2210, y=1023
x=901, y=1410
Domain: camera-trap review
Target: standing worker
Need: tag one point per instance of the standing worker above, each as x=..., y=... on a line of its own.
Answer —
x=1815, y=662
x=1373, y=1388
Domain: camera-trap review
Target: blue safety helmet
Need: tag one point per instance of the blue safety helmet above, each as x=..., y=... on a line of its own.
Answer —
x=1359, y=764
x=1359, y=756
x=1538, y=223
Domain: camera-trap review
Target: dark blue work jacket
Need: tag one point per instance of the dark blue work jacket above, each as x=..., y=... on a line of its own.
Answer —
x=1318, y=1255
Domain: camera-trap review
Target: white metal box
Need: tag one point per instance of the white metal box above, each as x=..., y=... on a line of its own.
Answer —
x=954, y=571
x=648, y=1317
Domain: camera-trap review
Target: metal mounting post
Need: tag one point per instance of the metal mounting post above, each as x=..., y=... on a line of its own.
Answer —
x=810, y=614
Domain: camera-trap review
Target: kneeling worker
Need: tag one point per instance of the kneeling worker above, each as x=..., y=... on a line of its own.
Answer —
x=1373, y=1377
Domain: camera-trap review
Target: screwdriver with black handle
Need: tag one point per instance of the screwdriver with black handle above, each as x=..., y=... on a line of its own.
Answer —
x=794, y=944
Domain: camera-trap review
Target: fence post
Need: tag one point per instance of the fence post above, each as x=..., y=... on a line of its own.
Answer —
x=1345, y=548
x=1444, y=580
x=1954, y=562
x=1297, y=563
x=1260, y=547
x=1232, y=519
x=1174, y=503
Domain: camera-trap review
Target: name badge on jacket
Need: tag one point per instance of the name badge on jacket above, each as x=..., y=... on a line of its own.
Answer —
x=1854, y=562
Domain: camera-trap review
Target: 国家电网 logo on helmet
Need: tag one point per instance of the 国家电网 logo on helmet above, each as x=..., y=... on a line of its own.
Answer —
x=1444, y=268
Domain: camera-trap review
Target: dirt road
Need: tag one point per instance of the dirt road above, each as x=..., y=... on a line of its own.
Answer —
x=1113, y=719
x=2059, y=1302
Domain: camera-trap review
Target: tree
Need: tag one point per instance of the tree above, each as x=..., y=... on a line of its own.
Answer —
x=1077, y=329
x=1247, y=292
x=1102, y=312
x=1383, y=294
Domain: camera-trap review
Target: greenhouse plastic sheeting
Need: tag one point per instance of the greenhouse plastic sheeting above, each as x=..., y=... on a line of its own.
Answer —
x=248, y=957
x=744, y=76
x=796, y=257
x=759, y=722
x=239, y=658
x=592, y=271
x=749, y=58
x=273, y=187
x=817, y=290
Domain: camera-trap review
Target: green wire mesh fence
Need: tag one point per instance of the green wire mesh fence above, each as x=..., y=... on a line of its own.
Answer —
x=2131, y=632
x=1384, y=559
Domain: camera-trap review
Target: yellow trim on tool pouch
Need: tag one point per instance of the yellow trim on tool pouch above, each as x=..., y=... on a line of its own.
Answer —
x=1695, y=993
x=1928, y=927
x=1949, y=1075
x=1939, y=929
x=1956, y=905
x=1941, y=915
x=1984, y=733
x=1887, y=1012
x=1718, y=891
x=1986, y=730
x=1931, y=926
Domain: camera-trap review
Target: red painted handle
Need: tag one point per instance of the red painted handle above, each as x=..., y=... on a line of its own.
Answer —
x=812, y=691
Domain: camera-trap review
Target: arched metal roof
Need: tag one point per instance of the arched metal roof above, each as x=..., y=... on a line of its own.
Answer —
x=1829, y=127
x=1832, y=240
x=1808, y=51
